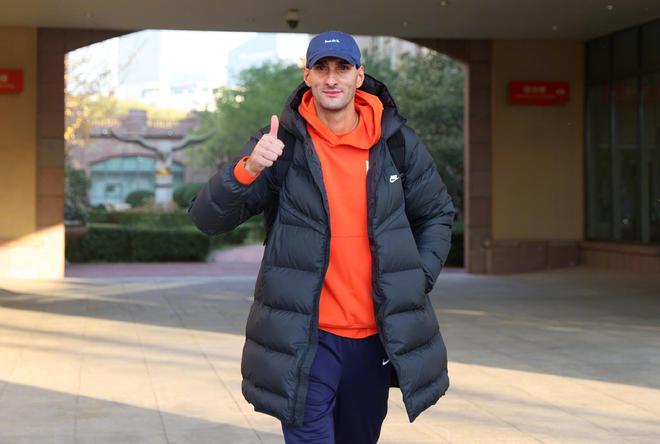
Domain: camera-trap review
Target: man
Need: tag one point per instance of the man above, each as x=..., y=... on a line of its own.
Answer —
x=341, y=309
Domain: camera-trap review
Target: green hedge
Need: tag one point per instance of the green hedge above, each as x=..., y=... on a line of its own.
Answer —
x=250, y=231
x=138, y=198
x=178, y=219
x=141, y=218
x=117, y=243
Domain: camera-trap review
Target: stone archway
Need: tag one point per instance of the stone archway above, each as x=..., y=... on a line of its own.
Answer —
x=53, y=44
x=476, y=58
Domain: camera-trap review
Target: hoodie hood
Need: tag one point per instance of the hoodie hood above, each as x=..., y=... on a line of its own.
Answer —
x=363, y=136
x=391, y=119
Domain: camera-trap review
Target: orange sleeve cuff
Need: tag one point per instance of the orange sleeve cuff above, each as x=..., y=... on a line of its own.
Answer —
x=241, y=173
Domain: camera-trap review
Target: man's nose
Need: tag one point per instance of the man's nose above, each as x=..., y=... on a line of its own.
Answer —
x=332, y=77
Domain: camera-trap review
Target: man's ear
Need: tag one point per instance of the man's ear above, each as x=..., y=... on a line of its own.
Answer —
x=360, y=76
x=306, y=76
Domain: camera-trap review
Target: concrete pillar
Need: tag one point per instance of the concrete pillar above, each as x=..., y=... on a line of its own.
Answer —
x=32, y=151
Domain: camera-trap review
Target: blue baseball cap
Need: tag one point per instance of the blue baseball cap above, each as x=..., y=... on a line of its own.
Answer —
x=333, y=44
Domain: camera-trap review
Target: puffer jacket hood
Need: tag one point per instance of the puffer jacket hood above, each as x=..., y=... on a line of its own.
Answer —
x=409, y=224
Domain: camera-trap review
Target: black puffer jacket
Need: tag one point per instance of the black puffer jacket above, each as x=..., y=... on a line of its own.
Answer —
x=409, y=230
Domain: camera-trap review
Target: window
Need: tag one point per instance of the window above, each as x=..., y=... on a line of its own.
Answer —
x=623, y=136
x=625, y=60
x=599, y=160
x=650, y=43
x=625, y=160
x=598, y=59
x=650, y=156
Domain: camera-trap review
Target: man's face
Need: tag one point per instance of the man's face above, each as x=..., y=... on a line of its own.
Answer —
x=333, y=82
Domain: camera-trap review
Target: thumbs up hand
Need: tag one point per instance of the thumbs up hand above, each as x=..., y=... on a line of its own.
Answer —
x=266, y=151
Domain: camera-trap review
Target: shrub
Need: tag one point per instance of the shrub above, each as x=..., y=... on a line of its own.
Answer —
x=138, y=198
x=100, y=216
x=168, y=244
x=142, y=218
x=103, y=243
x=124, y=243
x=74, y=212
x=183, y=194
x=153, y=219
x=76, y=185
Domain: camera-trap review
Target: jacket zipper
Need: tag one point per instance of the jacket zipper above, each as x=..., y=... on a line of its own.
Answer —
x=317, y=298
x=374, y=256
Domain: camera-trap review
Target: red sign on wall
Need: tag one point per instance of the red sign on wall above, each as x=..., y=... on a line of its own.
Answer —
x=11, y=81
x=538, y=92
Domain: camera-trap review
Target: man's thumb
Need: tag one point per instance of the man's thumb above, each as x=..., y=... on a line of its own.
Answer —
x=274, y=125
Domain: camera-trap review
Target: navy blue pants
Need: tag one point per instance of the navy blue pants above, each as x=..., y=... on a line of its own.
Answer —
x=348, y=391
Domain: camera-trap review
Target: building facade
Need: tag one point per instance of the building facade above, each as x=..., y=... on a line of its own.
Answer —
x=115, y=168
x=545, y=186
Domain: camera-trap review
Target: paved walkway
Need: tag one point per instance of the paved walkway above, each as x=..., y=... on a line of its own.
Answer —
x=567, y=356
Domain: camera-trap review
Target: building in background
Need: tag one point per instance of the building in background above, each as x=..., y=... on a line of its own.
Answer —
x=170, y=70
x=180, y=69
x=115, y=169
x=174, y=69
x=551, y=180
x=391, y=47
x=263, y=47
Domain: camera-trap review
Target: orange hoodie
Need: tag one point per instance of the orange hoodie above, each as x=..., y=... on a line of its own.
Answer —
x=346, y=305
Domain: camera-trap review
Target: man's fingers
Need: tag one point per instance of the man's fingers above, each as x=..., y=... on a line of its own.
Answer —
x=270, y=155
x=279, y=150
x=278, y=147
x=265, y=154
x=274, y=126
x=274, y=146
